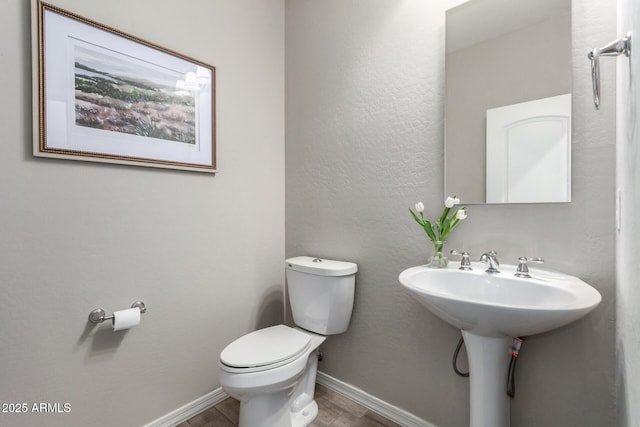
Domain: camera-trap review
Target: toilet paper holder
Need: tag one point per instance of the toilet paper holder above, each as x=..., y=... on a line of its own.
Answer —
x=99, y=315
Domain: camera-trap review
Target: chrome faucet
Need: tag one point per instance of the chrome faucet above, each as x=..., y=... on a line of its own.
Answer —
x=492, y=261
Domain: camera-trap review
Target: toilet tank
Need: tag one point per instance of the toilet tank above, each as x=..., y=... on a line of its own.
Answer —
x=321, y=293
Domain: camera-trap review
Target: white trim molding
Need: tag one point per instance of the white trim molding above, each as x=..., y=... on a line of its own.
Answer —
x=376, y=405
x=190, y=409
x=359, y=396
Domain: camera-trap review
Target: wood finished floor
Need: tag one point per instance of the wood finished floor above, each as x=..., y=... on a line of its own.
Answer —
x=334, y=411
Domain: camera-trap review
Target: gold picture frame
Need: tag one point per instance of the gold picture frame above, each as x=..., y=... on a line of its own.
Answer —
x=103, y=95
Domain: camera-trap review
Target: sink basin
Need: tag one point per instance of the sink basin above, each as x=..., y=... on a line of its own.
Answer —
x=490, y=308
x=499, y=304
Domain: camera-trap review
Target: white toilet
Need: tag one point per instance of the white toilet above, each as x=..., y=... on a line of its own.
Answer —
x=272, y=371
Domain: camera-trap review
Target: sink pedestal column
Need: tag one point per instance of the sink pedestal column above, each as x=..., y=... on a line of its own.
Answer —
x=488, y=364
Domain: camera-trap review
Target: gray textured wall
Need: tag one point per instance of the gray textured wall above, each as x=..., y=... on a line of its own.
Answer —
x=628, y=244
x=364, y=141
x=204, y=252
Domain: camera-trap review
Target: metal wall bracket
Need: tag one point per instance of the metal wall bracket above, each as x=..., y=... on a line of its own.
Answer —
x=615, y=48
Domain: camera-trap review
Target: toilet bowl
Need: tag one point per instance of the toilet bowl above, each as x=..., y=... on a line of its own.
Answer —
x=264, y=387
x=272, y=371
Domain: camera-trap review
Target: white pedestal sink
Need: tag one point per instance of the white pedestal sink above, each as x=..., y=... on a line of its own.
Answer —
x=490, y=308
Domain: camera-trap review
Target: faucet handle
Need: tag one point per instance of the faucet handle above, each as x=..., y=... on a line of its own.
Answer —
x=465, y=262
x=523, y=267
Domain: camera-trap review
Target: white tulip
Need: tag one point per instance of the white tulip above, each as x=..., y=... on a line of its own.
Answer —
x=419, y=207
x=461, y=214
x=451, y=201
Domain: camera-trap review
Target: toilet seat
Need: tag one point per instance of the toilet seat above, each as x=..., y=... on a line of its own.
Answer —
x=264, y=349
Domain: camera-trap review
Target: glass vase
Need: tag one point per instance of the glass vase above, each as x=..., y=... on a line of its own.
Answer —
x=438, y=260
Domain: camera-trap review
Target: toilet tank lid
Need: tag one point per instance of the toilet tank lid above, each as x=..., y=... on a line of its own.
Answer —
x=321, y=266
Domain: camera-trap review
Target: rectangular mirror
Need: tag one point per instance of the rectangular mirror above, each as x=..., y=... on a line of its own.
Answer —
x=508, y=101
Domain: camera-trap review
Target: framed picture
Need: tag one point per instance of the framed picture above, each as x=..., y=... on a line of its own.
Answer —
x=106, y=96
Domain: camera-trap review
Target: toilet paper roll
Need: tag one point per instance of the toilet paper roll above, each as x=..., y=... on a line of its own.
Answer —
x=125, y=319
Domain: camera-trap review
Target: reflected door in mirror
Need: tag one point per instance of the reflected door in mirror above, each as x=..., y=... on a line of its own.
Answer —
x=529, y=151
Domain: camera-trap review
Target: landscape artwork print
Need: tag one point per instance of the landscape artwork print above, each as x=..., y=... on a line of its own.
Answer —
x=115, y=92
x=105, y=96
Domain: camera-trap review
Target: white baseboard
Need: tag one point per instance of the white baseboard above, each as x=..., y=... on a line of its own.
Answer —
x=378, y=406
x=387, y=410
x=190, y=409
